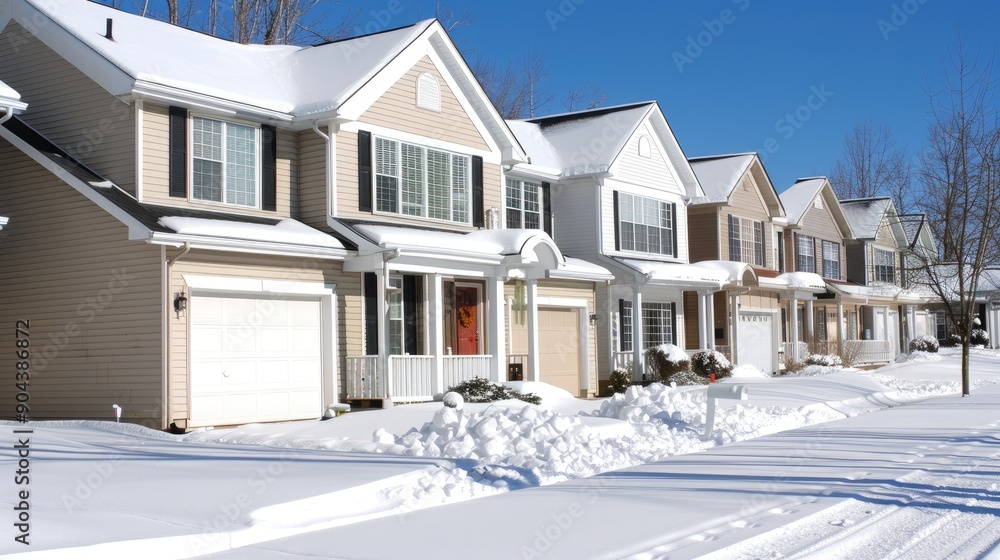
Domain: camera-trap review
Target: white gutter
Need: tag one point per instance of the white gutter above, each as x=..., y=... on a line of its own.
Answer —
x=245, y=246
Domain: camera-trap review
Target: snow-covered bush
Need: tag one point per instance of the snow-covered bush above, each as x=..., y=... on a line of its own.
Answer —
x=707, y=363
x=666, y=360
x=479, y=390
x=619, y=380
x=688, y=378
x=925, y=343
x=828, y=360
x=951, y=341
x=979, y=337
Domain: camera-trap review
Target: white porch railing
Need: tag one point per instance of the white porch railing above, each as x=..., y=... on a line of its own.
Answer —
x=871, y=351
x=724, y=349
x=463, y=368
x=623, y=360
x=413, y=378
x=789, y=353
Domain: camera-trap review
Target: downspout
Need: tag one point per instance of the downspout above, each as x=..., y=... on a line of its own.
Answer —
x=7, y=115
x=166, y=266
x=331, y=166
x=610, y=328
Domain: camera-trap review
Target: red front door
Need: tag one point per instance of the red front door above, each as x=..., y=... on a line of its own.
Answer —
x=467, y=319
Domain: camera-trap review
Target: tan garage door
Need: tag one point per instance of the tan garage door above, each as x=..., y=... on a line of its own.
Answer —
x=559, y=342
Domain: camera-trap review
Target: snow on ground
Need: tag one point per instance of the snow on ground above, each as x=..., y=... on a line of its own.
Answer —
x=122, y=490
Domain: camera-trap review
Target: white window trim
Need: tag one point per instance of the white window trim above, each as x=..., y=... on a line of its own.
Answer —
x=798, y=253
x=671, y=206
x=541, y=203
x=258, y=173
x=752, y=242
x=399, y=202
x=838, y=260
x=895, y=265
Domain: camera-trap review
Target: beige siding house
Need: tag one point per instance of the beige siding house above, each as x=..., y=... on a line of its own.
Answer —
x=620, y=185
x=740, y=223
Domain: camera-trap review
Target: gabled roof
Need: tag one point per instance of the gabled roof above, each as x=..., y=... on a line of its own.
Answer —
x=209, y=229
x=720, y=175
x=154, y=60
x=867, y=214
x=798, y=198
x=918, y=231
x=566, y=145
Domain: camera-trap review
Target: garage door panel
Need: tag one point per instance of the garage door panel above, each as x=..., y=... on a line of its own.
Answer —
x=755, y=341
x=559, y=341
x=255, y=360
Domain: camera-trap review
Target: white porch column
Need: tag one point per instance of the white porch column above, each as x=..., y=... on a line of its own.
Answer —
x=383, y=324
x=793, y=327
x=702, y=321
x=534, y=363
x=638, y=363
x=809, y=323
x=840, y=326
x=435, y=330
x=495, y=329
x=710, y=321
x=734, y=327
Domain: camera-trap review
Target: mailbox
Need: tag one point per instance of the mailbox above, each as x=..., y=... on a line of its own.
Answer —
x=732, y=391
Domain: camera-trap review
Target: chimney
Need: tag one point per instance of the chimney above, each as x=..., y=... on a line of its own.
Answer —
x=108, y=34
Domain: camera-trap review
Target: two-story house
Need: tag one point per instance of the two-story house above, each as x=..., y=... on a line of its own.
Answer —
x=874, y=267
x=211, y=233
x=741, y=221
x=620, y=189
x=815, y=244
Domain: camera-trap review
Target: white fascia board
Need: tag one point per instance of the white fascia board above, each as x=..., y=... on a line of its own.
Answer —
x=493, y=157
x=174, y=96
x=246, y=246
x=557, y=274
x=255, y=286
x=529, y=171
x=136, y=229
x=11, y=105
x=98, y=68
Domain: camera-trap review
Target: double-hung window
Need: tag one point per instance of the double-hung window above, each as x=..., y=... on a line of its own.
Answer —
x=419, y=181
x=831, y=260
x=225, y=162
x=657, y=325
x=883, y=266
x=806, y=254
x=746, y=240
x=524, y=209
x=645, y=225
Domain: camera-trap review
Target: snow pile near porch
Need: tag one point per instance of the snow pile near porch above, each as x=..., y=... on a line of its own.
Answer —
x=919, y=356
x=749, y=371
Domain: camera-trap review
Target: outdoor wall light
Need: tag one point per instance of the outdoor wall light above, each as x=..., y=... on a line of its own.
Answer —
x=593, y=318
x=180, y=302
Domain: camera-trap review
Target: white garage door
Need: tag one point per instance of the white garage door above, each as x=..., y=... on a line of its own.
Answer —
x=255, y=360
x=755, y=340
x=559, y=348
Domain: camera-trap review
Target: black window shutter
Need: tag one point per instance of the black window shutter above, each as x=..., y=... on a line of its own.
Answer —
x=269, y=168
x=618, y=241
x=410, y=319
x=178, y=151
x=734, y=247
x=477, y=191
x=371, y=314
x=364, y=171
x=673, y=322
x=547, y=209
x=621, y=323
x=795, y=252
x=673, y=227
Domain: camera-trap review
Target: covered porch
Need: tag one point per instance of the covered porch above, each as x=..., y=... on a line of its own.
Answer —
x=878, y=321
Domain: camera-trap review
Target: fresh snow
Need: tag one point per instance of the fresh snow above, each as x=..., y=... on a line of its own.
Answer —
x=799, y=197
x=829, y=462
x=285, y=231
x=719, y=175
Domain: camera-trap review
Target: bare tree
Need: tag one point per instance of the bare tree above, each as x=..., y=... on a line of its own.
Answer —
x=516, y=89
x=873, y=166
x=960, y=175
x=587, y=97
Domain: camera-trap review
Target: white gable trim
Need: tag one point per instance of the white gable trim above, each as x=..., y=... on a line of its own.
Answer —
x=661, y=131
x=386, y=132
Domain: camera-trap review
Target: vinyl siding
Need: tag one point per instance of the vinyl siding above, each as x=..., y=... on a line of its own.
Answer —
x=575, y=217
x=156, y=171
x=703, y=233
x=203, y=263
x=397, y=109
x=312, y=178
x=95, y=339
x=70, y=108
x=747, y=204
x=609, y=225
x=885, y=236
x=653, y=171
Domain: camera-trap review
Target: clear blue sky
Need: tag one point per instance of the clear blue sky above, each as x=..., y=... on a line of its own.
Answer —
x=761, y=66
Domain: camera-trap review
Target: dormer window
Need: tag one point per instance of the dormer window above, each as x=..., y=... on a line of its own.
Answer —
x=428, y=92
x=644, y=150
x=225, y=162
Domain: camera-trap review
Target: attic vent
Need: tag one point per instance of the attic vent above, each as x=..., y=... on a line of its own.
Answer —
x=818, y=203
x=428, y=92
x=643, y=147
x=107, y=34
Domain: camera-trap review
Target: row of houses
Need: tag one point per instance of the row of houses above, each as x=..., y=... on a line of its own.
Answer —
x=207, y=233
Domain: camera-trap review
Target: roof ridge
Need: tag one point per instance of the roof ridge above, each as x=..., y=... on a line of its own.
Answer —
x=588, y=113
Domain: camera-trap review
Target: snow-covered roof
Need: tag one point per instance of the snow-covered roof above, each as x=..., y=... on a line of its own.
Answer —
x=738, y=273
x=866, y=215
x=911, y=224
x=799, y=197
x=580, y=269
x=162, y=58
x=720, y=175
x=10, y=98
x=284, y=231
x=886, y=291
x=680, y=274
